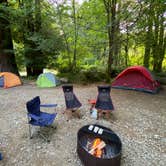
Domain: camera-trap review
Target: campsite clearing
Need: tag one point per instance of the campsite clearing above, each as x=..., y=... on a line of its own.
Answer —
x=139, y=120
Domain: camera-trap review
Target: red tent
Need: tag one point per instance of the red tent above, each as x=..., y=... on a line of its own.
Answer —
x=136, y=78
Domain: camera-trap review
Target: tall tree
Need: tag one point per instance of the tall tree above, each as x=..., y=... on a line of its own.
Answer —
x=35, y=59
x=60, y=10
x=159, y=42
x=75, y=35
x=28, y=44
x=126, y=45
x=117, y=35
x=7, y=57
x=148, y=35
x=110, y=7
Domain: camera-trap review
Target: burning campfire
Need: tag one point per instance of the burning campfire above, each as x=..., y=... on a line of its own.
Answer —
x=98, y=145
x=99, y=148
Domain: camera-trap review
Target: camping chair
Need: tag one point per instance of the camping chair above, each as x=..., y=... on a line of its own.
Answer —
x=38, y=118
x=72, y=103
x=104, y=103
x=0, y=156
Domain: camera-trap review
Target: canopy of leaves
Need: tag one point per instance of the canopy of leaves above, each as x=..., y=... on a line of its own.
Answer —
x=70, y=29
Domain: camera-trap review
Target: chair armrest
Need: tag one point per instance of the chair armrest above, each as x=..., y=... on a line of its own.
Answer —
x=48, y=105
x=35, y=117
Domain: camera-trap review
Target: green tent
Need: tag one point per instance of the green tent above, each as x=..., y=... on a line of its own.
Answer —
x=46, y=80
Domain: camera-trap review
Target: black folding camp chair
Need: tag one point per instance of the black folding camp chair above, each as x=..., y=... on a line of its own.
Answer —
x=72, y=102
x=104, y=103
x=38, y=118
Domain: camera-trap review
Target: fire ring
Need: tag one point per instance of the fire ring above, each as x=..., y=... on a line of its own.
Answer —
x=98, y=146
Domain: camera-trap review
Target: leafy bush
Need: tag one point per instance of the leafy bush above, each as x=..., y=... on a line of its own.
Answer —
x=116, y=71
x=85, y=76
x=94, y=76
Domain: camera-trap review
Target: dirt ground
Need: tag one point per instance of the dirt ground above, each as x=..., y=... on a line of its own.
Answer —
x=139, y=120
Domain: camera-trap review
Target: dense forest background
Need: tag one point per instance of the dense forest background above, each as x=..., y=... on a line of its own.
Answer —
x=89, y=38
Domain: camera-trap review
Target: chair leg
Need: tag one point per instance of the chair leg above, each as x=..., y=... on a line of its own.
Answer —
x=69, y=114
x=63, y=112
x=30, y=132
x=43, y=136
x=77, y=114
x=104, y=114
x=99, y=114
x=107, y=115
x=39, y=132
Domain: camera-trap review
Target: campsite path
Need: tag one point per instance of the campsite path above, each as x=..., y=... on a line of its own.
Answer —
x=139, y=120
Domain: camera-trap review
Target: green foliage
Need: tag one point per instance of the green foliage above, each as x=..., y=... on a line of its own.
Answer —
x=35, y=48
x=53, y=44
x=84, y=77
x=93, y=75
x=20, y=59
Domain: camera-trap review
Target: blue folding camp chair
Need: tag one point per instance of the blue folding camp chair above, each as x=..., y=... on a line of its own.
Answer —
x=104, y=103
x=72, y=102
x=0, y=156
x=38, y=118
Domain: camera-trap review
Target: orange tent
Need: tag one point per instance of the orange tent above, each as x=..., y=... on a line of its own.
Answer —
x=10, y=79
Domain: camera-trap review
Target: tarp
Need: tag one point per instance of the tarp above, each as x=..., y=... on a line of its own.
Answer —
x=8, y=80
x=136, y=78
x=47, y=80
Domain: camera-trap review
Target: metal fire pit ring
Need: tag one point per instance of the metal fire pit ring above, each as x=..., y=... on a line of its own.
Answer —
x=108, y=136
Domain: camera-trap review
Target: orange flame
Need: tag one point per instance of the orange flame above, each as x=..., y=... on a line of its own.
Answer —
x=97, y=152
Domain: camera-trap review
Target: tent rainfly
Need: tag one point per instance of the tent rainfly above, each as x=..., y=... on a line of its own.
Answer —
x=136, y=78
x=8, y=80
x=47, y=80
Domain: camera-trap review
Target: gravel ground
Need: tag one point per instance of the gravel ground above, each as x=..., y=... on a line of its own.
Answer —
x=139, y=119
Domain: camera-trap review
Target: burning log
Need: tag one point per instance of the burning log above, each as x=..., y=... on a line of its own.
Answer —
x=97, y=147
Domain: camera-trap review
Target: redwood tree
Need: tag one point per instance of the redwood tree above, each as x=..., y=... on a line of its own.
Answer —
x=34, y=58
x=7, y=57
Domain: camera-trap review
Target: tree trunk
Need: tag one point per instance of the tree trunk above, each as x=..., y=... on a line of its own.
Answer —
x=110, y=56
x=148, y=44
x=28, y=45
x=159, y=38
x=155, y=49
x=75, y=37
x=162, y=54
x=126, y=46
x=37, y=15
x=117, y=37
x=117, y=47
x=148, y=40
x=162, y=44
x=64, y=35
x=7, y=57
x=40, y=59
x=35, y=59
x=110, y=7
